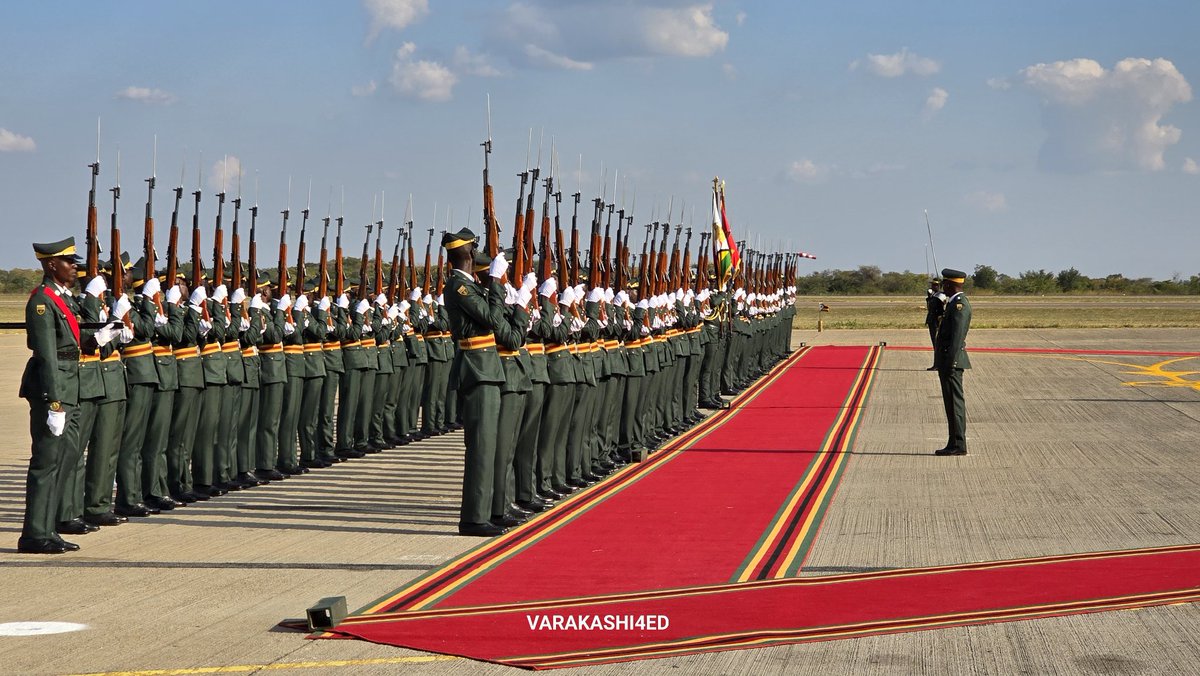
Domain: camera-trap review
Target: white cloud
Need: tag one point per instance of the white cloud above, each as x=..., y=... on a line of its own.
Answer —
x=424, y=80
x=807, y=171
x=11, y=142
x=1104, y=120
x=1189, y=166
x=902, y=62
x=146, y=95
x=987, y=201
x=935, y=102
x=473, y=64
x=740, y=18
x=576, y=35
x=999, y=83
x=364, y=90
x=393, y=14
x=232, y=167
x=729, y=71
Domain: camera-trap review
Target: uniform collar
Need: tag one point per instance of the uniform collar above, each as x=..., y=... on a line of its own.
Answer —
x=465, y=275
x=954, y=296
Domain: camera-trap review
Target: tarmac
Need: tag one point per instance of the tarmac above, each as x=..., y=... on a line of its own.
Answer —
x=1068, y=454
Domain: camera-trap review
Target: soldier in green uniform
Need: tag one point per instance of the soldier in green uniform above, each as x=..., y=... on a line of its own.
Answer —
x=416, y=324
x=477, y=375
x=331, y=350
x=354, y=362
x=366, y=393
x=554, y=333
x=272, y=378
x=231, y=309
x=250, y=338
x=525, y=460
x=313, y=332
x=631, y=444
x=206, y=465
x=383, y=328
x=167, y=317
x=287, y=461
x=950, y=358
x=514, y=393
x=709, y=387
x=438, y=346
x=51, y=386
x=394, y=415
x=935, y=305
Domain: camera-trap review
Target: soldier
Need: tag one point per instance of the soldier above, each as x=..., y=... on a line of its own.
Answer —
x=385, y=373
x=560, y=392
x=51, y=386
x=950, y=358
x=477, y=376
x=287, y=461
x=313, y=330
x=206, y=465
x=250, y=337
x=354, y=362
x=935, y=306
x=438, y=345
x=514, y=393
x=335, y=330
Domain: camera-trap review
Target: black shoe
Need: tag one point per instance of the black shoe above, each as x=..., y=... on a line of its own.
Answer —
x=231, y=485
x=950, y=451
x=69, y=546
x=533, y=506
x=606, y=465
x=161, y=504
x=549, y=497
x=518, y=511
x=210, y=491
x=248, y=480
x=507, y=521
x=578, y=483
x=314, y=464
x=136, y=510
x=347, y=453
x=445, y=429
x=292, y=471
x=563, y=489
x=373, y=448
x=931, y=368
x=331, y=460
x=75, y=527
x=265, y=475
x=105, y=519
x=590, y=478
x=40, y=546
x=484, y=530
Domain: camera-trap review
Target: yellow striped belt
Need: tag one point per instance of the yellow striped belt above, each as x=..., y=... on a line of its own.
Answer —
x=696, y=329
x=138, y=350
x=351, y=343
x=610, y=344
x=507, y=353
x=271, y=349
x=367, y=342
x=88, y=358
x=332, y=346
x=536, y=348
x=635, y=343
x=557, y=348
x=251, y=351
x=187, y=352
x=211, y=348
x=477, y=343
x=438, y=334
x=293, y=349
x=231, y=346
x=312, y=347
x=162, y=351
x=115, y=356
x=419, y=337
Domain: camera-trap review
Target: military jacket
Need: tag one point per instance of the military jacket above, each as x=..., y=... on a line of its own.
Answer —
x=560, y=363
x=272, y=366
x=249, y=340
x=165, y=336
x=474, y=313
x=950, y=351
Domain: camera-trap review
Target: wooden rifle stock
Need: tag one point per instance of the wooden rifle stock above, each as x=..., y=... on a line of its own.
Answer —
x=378, y=288
x=93, y=234
x=252, y=253
x=173, y=241
x=686, y=271
x=364, y=262
x=441, y=270
x=323, y=269
x=425, y=285
x=301, y=273
x=526, y=252
x=394, y=275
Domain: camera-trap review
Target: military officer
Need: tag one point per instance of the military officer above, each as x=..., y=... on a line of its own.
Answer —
x=935, y=305
x=950, y=358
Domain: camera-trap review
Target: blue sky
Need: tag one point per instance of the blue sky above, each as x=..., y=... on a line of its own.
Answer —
x=1038, y=135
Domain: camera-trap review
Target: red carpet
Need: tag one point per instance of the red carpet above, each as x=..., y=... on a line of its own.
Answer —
x=710, y=534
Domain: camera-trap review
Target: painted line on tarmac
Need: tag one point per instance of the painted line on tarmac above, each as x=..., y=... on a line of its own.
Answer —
x=250, y=668
x=38, y=628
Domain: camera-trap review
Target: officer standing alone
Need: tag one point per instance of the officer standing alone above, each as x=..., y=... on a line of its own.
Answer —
x=950, y=359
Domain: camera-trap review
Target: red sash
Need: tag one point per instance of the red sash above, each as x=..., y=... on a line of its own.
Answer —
x=62, y=306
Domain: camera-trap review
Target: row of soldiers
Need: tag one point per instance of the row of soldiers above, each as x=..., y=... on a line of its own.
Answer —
x=178, y=394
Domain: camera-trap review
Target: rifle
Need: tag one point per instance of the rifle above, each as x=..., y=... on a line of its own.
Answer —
x=93, y=236
x=283, y=280
x=673, y=268
x=686, y=276
x=643, y=281
x=701, y=260
x=490, y=225
x=323, y=270
x=218, y=238
x=618, y=261
x=173, y=239
x=412, y=264
x=544, y=242
x=661, y=266
x=394, y=275
x=362, y=269
x=252, y=249
x=235, y=253
x=441, y=270
x=379, y=246
x=575, y=240
x=425, y=285
x=118, y=268
x=196, y=264
x=148, y=235
x=300, y=271
x=525, y=254
x=559, y=244
x=519, y=223
x=594, y=252
x=339, y=284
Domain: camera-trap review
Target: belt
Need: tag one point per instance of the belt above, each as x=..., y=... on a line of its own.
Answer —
x=293, y=349
x=477, y=343
x=351, y=343
x=418, y=337
x=634, y=343
x=557, y=348
x=331, y=346
x=367, y=342
x=694, y=330
x=312, y=347
x=251, y=351
x=138, y=350
x=211, y=348
x=610, y=344
x=271, y=349
x=88, y=358
x=231, y=346
x=187, y=352
x=536, y=348
x=162, y=351
x=507, y=353
x=115, y=356
x=438, y=334
x=68, y=355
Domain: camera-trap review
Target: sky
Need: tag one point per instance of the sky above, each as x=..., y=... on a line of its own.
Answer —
x=1038, y=135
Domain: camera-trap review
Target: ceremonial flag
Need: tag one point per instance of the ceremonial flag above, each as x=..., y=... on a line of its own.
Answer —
x=725, y=248
x=806, y=255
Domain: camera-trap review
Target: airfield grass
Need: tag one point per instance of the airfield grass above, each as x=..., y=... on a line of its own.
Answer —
x=990, y=312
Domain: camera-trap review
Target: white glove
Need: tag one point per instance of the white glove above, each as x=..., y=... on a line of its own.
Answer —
x=405, y=306
x=105, y=334
x=609, y=295
x=941, y=296
x=205, y=327
x=441, y=299
x=96, y=287
x=702, y=296
x=173, y=295
x=199, y=295
x=288, y=328
x=424, y=314
x=393, y=312
x=567, y=297
x=126, y=335
x=344, y=302
x=301, y=303
x=362, y=306
x=220, y=293
x=510, y=295
x=628, y=324
x=498, y=267
x=548, y=288
x=381, y=299
x=160, y=320
x=529, y=281
x=256, y=303
x=122, y=308
x=595, y=295
x=285, y=302
x=238, y=297
x=557, y=321
x=414, y=295
x=643, y=304
x=645, y=330
x=151, y=288
x=196, y=308
x=244, y=325
x=622, y=297
x=323, y=306
x=368, y=329
x=576, y=324
x=57, y=422
x=524, y=295
x=427, y=299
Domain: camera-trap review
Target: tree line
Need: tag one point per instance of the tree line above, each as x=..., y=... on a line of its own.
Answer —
x=869, y=280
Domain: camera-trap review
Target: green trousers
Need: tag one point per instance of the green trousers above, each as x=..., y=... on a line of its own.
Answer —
x=552, y=440
x=326, y=440
x=183, y=439
x=710, y=387
x=691, y=386
x=289, y=421
x=481, y=419
x=226, y=447
x=392, y=418
x=102, y=452
x=433, y=396
x=50, y=457
x=270, y=410
x=247, y=430
x=139, y=397
x=411, y=396
x=630, y=438
x=366, y=410
x=349, y=389
x=512, y=412
x=204, y=461
x=575, y=431
x=157, y=445
x=383, y=387
x=528, y=440
x=951, y=380
x=310, y=416
x=71, y=497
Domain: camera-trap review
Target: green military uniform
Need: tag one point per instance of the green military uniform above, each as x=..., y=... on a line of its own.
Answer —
x=250, y=339
x=272, y=378
x=287, y=460
x=632, y=442
x=354, y=362
x=331, y=350
x=101, y=447
x=554, y=332
x=950, y=358
x=385, y=373
x=186, y=419
x=416, y=373
x=366, y=393
x=440, y=350
x=206, y=466
x=231, y=403
x=313, y=331
x=514, y=394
